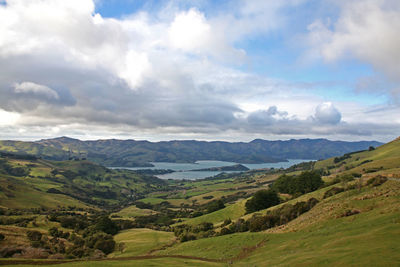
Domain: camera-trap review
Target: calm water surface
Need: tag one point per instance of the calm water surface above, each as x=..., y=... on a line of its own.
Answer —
x=182, y=170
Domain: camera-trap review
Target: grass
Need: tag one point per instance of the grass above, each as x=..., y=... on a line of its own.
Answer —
x=141, y=241
x=386, y=156
x=152, y=200
x=321, y=236
x=221, y=247
x=232, y=212
x=133, y=211
x=26, y=196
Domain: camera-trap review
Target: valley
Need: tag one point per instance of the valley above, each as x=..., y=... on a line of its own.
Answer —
x=342, y=210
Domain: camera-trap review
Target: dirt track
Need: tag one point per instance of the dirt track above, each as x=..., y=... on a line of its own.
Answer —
x=243, y=254
x=145, y=257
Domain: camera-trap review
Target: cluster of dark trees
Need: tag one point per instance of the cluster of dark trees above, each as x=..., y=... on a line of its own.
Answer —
x=262, y=199
x=280, y=216
x=90, y=235
x=273, y=218
x=186, y=232
x=306, y=182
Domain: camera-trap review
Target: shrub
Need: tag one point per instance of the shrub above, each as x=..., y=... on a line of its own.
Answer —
x=58, y=233
x=225, y=231
x=77, y=251
x=226, y=222
x=239, y=226
x=350, y=213
x=215, y=205
x=196, y=214
x=106, y=225
x=333, y=191
x=261, y=200
x=205, y=226
x=346, y=178
x=187, y=237
x=377, y=180
x=280, y=216
x=34, y=235
x=107, y=245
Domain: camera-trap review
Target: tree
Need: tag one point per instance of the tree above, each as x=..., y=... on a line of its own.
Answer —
x=107, y=225
x=284, y=184
x=307, y=181
x=105, y=245
x=261, y=200
x=215, y=205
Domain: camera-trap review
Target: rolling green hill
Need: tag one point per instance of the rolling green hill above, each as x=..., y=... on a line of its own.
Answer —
x=355, y=220
x=31, y=183
x=378, y=160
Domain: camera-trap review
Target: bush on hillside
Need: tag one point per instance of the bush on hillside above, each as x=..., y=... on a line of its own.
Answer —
x=239, y=226
x=101, y=241
x=106, y=225
x=34, y=235
x=280, y=216
x=215, y=205
x=377, y=180
x=306, y=182
x=333, y=191
x=261, y=200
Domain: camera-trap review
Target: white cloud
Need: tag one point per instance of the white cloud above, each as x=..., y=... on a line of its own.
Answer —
x=326, y=113
x=367, y=30
x=190, y=31
x=168, y=74
x=30, y=87
x=8, y=118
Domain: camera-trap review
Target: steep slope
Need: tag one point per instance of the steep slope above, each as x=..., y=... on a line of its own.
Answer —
x=327, y=235
x=382, y=158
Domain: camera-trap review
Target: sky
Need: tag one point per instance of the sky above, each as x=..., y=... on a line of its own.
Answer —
x=207, y=70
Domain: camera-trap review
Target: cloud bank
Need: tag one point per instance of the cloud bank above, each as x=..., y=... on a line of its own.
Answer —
x=176, y=73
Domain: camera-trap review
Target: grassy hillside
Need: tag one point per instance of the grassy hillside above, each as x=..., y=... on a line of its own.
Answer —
x=382, y=158
x=356, y=225
x=32, y=183
x=319, y=237
x=232, y=212
x=33, y=148
x=137, y=242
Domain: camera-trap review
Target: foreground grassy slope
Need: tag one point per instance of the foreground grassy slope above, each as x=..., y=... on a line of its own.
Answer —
x=321, y=236
x=141, y=241
x=154, y=262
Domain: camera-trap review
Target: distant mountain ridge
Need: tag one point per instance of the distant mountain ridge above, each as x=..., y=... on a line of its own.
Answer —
x=131, y=153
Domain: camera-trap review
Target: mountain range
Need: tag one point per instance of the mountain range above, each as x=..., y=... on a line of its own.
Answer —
x=132, y=153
